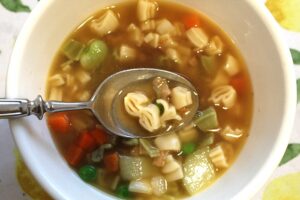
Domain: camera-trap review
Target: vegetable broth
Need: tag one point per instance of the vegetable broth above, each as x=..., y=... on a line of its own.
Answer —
x=79, y=84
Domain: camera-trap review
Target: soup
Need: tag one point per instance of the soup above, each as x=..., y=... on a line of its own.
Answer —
x=146, y=34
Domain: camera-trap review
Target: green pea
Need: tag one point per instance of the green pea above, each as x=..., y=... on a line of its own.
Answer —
x=88, y=173
x=188, y=148
x=122, y=191
x=94, y=54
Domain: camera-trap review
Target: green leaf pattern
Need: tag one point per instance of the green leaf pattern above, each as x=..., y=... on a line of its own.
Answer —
x=15, y=6
x=291, y=152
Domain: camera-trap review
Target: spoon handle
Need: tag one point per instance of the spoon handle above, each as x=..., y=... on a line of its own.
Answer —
x=16, y=108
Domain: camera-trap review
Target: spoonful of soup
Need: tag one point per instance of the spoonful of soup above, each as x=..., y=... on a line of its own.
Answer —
x=134, y=103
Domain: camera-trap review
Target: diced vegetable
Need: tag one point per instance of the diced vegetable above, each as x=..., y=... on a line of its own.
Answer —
x=215, y=46
x=239, y=84
x=135, y=35
x=168, y=142
x=164, y=26
x=198, y=171
x=173, y=55
x=207, y=120
x=160, y=161
x=197, y=37
x=191, y=21
x=166, y=41
x=88, y=173
x=100, y=136
x=74, y=155
x=171, y=165
x=159, y=185
x=126, y=53
x=98, y=154
x=133, y=168
x=106, y=24
x=224, y=95
x=208, y=64
x=188, y=134
x=231, y=65
x=207, y=140
x=188, y=148
x=152, y=39
x=59, y=122
x=122, y=191
x=146, y=9
x=115, y=182
x=148, y=25
x=151, y=150
x=161, y=88
x=87, y=142
x=181, y=97
x=94, y=54
x=140, y=186
x=73, y=49
x=175, y=175
x=111, y=162
x=130, y=142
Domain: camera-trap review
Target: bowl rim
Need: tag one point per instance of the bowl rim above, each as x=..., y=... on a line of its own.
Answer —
x=260, y=178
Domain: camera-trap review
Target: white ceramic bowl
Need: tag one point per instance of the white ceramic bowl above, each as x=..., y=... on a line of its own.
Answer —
x=254, y=32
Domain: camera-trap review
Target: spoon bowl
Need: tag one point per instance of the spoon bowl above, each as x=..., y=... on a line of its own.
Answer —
x=102, y=102
x=103, y=99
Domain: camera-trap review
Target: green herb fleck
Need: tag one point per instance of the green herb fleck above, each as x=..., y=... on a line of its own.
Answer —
x=298, y=91
x=160, y=107
x=291, y=152
x=15, y=6
x=296, y=56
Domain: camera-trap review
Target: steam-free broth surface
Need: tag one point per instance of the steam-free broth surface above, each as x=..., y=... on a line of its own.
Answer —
x=192, y=46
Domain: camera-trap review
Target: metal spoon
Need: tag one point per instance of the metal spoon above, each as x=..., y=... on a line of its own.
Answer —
x=102, y=102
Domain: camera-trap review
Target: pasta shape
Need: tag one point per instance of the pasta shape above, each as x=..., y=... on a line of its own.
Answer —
x=149, y=25
x=230, y=134
x=152, y=39
x=224, y=95
x=231, y=65
x=220, y=155
x=164, y=26
x=126, y=53
x=166, y=40
x=169, y=112
x=146, y=9
x=173, y=55
x=181, y=97
x=149, y=118
x=172, y=169
x=133, y=103
x=197, y=37
x=135, y=35
x=106, y=24
x=57, y=80
x=215, y=46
